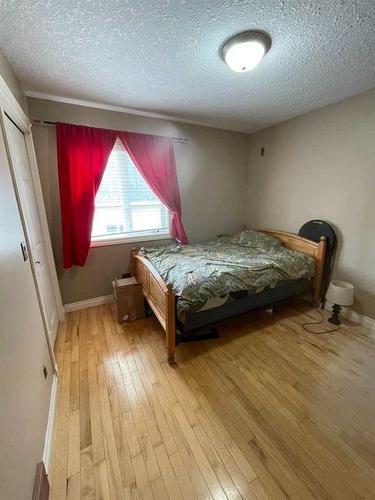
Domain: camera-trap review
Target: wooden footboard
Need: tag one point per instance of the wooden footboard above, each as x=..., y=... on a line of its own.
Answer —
x=161, y=298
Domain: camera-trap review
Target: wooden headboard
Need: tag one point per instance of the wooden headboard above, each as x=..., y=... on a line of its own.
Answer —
x=316, y=250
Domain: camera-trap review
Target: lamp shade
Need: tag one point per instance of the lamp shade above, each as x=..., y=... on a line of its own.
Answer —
x=340, y=292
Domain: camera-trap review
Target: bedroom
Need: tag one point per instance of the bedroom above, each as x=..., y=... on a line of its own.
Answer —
x=252, y=404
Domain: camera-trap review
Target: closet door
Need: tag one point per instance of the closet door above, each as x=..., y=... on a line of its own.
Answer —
x=22, y=171
x=24, y=389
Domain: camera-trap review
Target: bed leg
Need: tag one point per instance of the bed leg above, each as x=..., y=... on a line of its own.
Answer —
x=171, y=360
x=315, y=298
x=171, y=346
x=170, y=324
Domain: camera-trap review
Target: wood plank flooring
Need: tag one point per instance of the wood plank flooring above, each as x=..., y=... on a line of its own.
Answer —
x=268, y=411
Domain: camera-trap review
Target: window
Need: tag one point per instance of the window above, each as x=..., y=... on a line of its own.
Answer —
x=112, y=228
x=125, y=207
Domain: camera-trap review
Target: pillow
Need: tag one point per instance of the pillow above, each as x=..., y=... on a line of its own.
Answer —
x=253, y=239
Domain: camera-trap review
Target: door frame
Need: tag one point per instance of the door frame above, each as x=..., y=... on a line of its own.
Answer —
x=10, y=107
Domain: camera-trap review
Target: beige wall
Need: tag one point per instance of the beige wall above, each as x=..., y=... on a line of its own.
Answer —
x=10, y=78
x=212, y=174
x=322, y=165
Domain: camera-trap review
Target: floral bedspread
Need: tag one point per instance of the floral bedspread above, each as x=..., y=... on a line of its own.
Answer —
x=248, y=260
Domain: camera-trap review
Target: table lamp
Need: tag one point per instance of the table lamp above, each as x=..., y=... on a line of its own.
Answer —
x=341, y=294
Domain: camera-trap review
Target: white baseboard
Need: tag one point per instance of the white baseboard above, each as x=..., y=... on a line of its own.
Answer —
x=85, y=304
x=346, y=313
x=48, y=441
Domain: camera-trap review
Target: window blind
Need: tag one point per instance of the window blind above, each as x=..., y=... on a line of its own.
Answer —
x=124, y=204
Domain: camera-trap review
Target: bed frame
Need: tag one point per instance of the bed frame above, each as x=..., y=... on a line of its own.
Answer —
x=161, y=298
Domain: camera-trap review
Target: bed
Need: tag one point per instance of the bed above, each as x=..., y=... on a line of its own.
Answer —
x=192, y=286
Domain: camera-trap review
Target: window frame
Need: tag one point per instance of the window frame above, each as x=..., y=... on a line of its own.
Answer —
x=121, y=239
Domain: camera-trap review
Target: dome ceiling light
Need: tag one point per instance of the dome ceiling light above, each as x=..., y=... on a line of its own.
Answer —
x=244, y=51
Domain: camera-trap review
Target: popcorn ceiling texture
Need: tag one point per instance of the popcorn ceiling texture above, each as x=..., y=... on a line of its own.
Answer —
x=162, y=56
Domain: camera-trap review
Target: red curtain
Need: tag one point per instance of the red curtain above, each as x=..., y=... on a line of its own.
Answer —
x=154, y=158
x=82, y=154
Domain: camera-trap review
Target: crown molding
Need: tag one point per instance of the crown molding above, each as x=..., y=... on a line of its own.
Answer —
x=121, y=109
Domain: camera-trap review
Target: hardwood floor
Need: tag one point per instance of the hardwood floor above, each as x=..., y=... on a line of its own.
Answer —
x=266, y=411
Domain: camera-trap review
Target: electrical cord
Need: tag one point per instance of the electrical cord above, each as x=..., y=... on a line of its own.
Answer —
x=322, y=320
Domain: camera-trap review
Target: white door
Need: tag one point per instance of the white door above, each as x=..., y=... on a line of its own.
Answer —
x=22, y=172
x=24, y=389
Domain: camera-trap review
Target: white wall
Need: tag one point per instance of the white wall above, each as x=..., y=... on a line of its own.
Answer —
x=322, y=165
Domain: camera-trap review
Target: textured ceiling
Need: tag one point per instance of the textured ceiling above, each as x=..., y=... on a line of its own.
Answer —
x=162, y=56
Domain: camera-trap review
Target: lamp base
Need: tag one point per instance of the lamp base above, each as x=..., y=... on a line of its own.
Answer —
x=334, y=319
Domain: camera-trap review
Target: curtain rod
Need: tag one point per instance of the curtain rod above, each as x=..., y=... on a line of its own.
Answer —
x=181, y=140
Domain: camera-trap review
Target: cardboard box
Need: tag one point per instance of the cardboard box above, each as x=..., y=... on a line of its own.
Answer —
x=129, y=299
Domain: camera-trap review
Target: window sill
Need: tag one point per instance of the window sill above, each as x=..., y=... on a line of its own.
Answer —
x=122, y=240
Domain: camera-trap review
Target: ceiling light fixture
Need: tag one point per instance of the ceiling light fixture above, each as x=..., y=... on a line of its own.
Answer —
x=244, y=51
